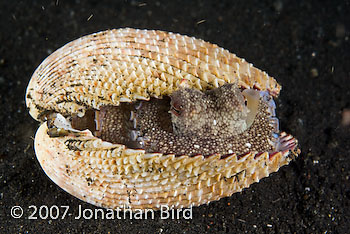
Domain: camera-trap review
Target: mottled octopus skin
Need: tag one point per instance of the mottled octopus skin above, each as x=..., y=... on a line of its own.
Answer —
x=125, y=65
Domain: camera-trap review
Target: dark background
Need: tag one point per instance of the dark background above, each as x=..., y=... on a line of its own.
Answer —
x=303, y=44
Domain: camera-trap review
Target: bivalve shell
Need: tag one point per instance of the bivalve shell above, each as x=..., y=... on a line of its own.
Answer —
x=124, y=65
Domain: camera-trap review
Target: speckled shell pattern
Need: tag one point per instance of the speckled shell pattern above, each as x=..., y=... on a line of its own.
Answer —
x=125, y=65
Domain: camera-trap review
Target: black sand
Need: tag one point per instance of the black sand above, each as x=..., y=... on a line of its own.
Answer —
x=303, y=44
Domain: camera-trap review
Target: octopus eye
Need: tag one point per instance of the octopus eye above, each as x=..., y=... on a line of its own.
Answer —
x=176, y=109
x=245, y=101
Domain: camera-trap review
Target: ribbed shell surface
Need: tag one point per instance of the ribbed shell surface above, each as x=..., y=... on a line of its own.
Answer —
x=129, y=64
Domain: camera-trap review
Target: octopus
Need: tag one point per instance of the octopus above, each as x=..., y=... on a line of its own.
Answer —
x=219, y=120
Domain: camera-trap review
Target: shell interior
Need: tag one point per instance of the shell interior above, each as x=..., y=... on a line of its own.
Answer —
x=220, y=121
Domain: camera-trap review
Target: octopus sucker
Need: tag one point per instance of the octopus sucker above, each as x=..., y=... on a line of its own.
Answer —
x=138, y=118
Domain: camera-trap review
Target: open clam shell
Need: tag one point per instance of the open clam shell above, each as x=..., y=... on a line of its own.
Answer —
x=125, y=65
